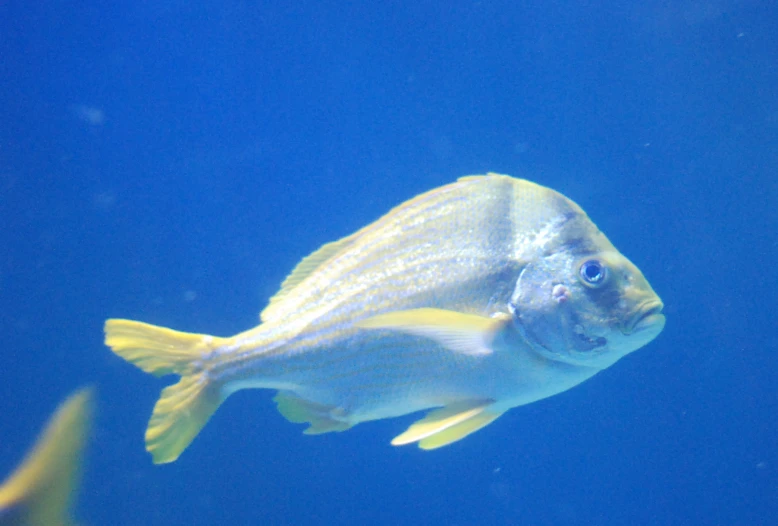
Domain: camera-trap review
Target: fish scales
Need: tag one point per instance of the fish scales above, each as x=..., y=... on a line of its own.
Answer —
x=468, y=300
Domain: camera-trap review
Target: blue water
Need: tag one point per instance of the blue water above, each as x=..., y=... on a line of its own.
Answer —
x=171, y=161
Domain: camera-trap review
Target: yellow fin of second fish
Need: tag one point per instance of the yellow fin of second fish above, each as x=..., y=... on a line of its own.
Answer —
x=39, y=492
x=469, y=334
x=448, y=424
x=299, y=410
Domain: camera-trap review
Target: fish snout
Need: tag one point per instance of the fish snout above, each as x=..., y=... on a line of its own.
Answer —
x=647, y=315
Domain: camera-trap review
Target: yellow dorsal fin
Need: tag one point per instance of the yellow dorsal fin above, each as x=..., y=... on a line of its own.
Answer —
x=40, y=491
x=304, y=269
x=448, y=424
x=469, y=334
x=299, y=410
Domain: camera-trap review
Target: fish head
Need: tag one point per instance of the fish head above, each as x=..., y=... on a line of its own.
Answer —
x=582, y=302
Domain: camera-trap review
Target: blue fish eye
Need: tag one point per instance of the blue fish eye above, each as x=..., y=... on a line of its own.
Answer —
x=593, y=272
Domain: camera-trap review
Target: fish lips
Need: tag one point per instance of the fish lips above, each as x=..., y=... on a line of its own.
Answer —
x=648, y=316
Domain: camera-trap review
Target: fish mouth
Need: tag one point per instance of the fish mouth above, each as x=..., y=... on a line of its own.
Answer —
x=648, y=315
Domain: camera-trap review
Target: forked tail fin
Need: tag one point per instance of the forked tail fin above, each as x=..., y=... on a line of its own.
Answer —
x=183, y=408
x=40, y=491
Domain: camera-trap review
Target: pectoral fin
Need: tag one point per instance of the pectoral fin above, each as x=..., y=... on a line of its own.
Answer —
x=448, y=424
x=464, y=333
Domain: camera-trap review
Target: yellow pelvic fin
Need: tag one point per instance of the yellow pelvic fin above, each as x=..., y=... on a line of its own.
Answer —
x=183, y=408
x=299, y=410
x=458, y=431
x=40, y=491
x=304, y=269
x=468, y=334
x=440, y=420
x=448, y=424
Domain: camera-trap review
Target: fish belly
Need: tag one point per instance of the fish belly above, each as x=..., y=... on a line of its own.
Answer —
x=372, y=378
x=365, y=377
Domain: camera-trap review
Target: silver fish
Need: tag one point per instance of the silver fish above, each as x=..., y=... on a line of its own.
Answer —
x=468, y=300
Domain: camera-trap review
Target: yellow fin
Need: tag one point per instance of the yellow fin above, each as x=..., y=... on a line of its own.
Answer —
x=459, y=431
x=183, y=408
x=469, y=334
x=440, y=420
x=157, y=350
x=40, y=491
x=304, y=269
x=300, y=410
x=181, y=412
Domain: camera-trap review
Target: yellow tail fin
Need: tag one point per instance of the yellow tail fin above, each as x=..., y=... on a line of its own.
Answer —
x=39, y=492
x=183, y=408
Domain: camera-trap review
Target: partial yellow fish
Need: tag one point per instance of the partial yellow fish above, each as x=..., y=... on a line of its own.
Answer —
x=468, y=300
x=40, y=491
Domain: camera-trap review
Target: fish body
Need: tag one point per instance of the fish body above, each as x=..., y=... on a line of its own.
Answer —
x=470, y=299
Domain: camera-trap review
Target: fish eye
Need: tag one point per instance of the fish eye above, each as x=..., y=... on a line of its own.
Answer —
x=593, y=272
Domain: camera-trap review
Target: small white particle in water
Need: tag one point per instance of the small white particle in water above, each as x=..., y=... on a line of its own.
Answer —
x=190, y=295
x=88, y=114
x=104, y=200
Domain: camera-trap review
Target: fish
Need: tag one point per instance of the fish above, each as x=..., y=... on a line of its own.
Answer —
x=468, y=300
x=40, y=491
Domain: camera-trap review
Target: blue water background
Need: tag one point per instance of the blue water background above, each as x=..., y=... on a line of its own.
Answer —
x=171, y=161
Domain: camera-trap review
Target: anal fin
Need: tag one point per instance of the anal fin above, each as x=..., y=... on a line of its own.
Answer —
x=299, y=411
x=448, y=424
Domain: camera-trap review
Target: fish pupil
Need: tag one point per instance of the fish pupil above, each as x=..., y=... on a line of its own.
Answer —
x=592, y=272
